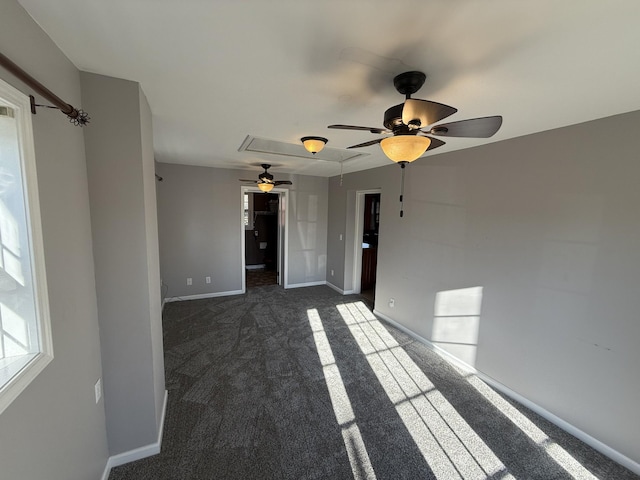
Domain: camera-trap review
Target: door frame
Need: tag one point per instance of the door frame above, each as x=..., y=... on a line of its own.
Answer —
x=357, y=237
x=283, y=241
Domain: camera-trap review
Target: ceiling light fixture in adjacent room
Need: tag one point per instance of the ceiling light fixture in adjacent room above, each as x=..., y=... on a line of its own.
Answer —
x=265, y=180
x=265, y=187
x=313, y=144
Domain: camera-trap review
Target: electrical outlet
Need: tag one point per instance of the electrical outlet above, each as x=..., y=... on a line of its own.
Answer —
x=189, y=281
x=392, y=302
x=98, y=390
x=207, y=279
x=255, y=232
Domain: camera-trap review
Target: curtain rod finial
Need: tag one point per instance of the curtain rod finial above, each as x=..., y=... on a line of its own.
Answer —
x=78, y=117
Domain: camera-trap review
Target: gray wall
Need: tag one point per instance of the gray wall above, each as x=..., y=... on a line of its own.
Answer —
x=200, y=213
x=548, y=226
x=308, y=216
x=123, y=218
x=54, y=429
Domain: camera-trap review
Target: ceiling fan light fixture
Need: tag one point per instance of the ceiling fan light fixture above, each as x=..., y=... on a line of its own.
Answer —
x=265, y=187
x=313, y=144
x=405, y=148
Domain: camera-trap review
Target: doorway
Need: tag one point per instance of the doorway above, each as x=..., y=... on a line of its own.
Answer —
x=263, y=233
x=370, y=229
x=367, y=227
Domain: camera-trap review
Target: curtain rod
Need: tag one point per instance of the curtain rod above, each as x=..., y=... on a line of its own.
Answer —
x=76, y=116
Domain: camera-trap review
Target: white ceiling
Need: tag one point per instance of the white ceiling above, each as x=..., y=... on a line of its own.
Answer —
x=216, y=71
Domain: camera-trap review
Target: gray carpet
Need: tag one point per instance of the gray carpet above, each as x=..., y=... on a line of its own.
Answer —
x=305, y=384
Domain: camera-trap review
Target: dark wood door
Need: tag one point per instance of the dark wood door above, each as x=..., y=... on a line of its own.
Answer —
x=369, y=265
x=370, y=241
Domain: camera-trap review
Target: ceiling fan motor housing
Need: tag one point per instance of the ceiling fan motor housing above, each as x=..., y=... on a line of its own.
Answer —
x=265, y=176
x=407, y=84
x=393, y=121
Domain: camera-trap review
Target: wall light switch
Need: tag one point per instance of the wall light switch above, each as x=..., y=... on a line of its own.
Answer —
x=189, y=281
x=207, y=279
x=332, y=272
x=340, y=237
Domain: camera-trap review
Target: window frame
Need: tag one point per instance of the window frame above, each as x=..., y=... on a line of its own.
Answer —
x=15, y=385
x=249, y=197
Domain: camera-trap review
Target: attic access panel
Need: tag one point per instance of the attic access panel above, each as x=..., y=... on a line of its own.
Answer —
x=276, y=147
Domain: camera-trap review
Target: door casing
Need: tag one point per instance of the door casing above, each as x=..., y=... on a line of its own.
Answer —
x=283, y=243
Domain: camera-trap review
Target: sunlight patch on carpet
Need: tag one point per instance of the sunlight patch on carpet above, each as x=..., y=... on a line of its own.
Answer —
x=436, y=427
x=555, y=451
x=356, y=449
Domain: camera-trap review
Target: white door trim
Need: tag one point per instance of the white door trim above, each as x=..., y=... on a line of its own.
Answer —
x=283, y=208
x=283, y=239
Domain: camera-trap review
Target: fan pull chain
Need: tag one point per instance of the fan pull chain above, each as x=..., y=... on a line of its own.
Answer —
x=402, y=165
x=340, y=173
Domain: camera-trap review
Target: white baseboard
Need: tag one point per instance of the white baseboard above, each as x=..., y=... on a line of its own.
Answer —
x=567, y=427
x=337, y=289
x=204, y=295
x=140, y=452
x=308, y=284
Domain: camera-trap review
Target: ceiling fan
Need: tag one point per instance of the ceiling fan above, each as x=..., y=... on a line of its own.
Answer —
x=265, y=180
x=410, y=123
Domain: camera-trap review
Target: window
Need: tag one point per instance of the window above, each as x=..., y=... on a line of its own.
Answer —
x=25, y=338
x=248, y=210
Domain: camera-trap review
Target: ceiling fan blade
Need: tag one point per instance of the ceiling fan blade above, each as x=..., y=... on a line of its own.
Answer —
x=282, y=182
x=420, y=113
x=435, y=142
x=366, y=129
x=483, y=127
x=367, y=144
x=245, y=180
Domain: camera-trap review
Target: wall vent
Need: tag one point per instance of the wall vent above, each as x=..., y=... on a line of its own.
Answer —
x=276, y=147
